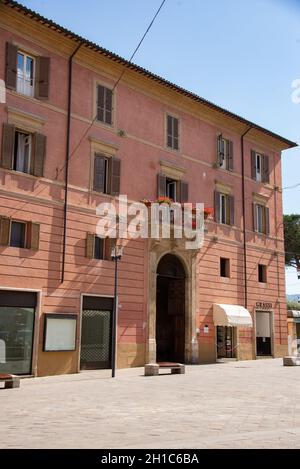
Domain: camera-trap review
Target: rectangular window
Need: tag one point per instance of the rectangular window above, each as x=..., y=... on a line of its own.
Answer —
x=22, y=152
x=98, y=248
x=171, y=189
x=172, y=132
x=101, y=174
x=261, y=219
x=224, y=267
x=262, y=273
x=104, y=104
x=17, y=234
x=224, y=208
x=25, y=74
x=259, y=166
x=16, y=338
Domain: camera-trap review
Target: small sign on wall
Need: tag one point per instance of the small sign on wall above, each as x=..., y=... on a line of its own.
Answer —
x=206, y=329
x=60, y=332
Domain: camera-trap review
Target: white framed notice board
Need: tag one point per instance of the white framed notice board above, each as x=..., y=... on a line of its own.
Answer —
x=60, y=332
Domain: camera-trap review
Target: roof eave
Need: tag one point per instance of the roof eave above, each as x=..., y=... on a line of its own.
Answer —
x=287, y=144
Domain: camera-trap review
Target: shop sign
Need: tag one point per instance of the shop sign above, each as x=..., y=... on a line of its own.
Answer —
x=263, y=306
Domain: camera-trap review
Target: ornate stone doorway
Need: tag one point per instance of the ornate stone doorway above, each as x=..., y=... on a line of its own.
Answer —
x=160, y=252
x=170, y=310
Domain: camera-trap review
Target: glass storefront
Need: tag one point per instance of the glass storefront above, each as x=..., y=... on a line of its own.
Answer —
x=16, y=339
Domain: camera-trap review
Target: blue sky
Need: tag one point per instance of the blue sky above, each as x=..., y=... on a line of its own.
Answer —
x=241, y=55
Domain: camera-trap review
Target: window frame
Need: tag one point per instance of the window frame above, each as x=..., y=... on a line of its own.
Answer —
x=224, y=267
x=21, y=222
x=18, y=132
x=21, y=90
x=107, y=172
x=225, y=143
x=261, y=226
x=258, y=163
x=103, y=248
x=172, y=183
x=167, y=135
x=224, y=210
x=262, y=273
x=105, y=86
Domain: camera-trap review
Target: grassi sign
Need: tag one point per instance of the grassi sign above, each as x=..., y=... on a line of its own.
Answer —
x=161, y=220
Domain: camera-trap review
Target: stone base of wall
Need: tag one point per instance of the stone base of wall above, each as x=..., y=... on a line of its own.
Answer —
x=207, y=352
x=57, y=363
x=245, y=352
x=131, y=355
x=280, y=350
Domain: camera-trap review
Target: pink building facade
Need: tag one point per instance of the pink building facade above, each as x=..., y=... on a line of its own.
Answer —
x=71, y=140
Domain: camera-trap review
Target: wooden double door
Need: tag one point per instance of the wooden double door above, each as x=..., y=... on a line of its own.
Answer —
x=170, y=319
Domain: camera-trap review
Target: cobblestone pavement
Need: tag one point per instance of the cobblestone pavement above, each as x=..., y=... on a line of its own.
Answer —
x=251, y=404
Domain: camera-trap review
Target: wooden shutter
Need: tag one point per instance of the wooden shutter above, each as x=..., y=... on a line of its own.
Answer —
x=38, y=154
x=231, y=209
x=89, y=246
x=100, y=103
x=253, y=164
x=254, y=219
x=42, y=82
x=109, y=244
x=4, y=231
x=99, y=173
x=267, y=220
x=33, y=236
x=230, y=155
x=108, y=106
x=217, y=206
x=115, y=175
x=8, y=142
x=170, y=131
x=266, y=171
x=11, y=66
x=184, y=191
x=175, y=133
x=219, y=156
x=161, y=185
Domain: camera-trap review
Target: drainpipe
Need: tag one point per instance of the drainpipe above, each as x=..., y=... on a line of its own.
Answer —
x=67, y=160
x=244, y=217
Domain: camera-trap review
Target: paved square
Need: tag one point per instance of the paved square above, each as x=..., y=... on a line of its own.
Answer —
x=251, y=404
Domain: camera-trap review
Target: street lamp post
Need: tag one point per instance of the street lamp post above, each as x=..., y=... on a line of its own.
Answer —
x=116, y=255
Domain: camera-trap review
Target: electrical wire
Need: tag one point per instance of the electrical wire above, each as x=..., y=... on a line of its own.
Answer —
x=59, y=171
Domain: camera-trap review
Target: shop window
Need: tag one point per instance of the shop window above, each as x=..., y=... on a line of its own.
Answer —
x=17, y=311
